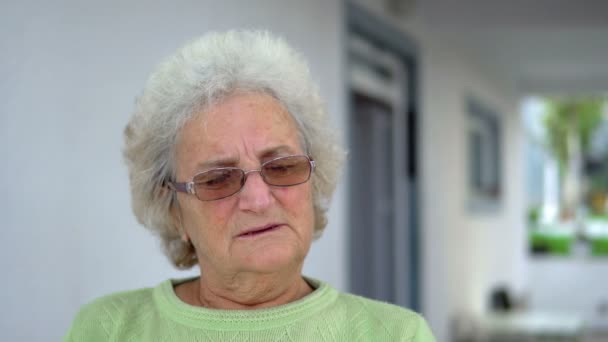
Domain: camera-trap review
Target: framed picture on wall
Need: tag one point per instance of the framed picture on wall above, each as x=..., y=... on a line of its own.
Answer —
x=484, y=154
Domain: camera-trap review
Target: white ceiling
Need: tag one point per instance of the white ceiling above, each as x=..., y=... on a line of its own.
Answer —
x=543, y=46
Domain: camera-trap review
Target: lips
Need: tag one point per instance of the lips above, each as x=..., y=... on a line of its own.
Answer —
x=255, y=231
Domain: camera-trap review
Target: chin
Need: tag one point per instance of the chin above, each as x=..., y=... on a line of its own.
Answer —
x=275, y=258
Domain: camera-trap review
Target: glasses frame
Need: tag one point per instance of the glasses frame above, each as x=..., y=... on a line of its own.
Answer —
x=189, y=187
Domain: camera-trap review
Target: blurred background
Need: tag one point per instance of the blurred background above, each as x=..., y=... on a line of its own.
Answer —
x=476, y=186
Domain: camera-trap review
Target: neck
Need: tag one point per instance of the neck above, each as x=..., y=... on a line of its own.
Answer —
x=247, y=291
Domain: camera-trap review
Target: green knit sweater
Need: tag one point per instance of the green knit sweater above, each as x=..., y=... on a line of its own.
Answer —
x=324, y=315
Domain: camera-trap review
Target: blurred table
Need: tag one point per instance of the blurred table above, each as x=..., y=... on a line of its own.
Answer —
x=530, y=326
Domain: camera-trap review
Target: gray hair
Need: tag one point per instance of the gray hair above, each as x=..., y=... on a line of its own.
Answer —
x=196, y=77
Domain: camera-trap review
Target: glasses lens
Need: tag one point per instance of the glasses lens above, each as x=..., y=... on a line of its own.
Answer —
x=287, y=171
x=218, y=183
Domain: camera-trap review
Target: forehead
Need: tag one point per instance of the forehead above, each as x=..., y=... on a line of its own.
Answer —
x=246, y=109
x=248, y=124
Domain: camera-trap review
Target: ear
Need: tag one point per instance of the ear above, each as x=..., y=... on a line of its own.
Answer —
x=175, y=211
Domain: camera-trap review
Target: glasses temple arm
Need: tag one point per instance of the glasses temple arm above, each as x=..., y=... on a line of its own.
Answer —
x=180, y=187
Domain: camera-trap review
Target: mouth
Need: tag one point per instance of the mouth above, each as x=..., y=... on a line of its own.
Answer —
x=257, y=231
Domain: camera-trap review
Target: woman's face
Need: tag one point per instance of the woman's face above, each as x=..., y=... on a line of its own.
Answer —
x=244, y=131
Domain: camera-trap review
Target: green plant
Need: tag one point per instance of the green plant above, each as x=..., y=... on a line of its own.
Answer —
x=577, y=117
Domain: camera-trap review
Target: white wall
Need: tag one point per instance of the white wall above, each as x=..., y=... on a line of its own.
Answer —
x=70, y=71
x=464, y=254
x=481, y=250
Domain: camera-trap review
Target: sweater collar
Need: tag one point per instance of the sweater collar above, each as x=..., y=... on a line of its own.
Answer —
x=175, y=309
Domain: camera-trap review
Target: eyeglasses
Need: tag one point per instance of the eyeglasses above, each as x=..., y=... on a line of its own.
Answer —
x=223, y=182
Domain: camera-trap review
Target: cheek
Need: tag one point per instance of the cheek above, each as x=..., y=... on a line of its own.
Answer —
x=204, y=219
x=298, y=204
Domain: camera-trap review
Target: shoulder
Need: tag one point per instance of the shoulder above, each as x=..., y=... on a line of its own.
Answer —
x=101, y=318
x=376, y=318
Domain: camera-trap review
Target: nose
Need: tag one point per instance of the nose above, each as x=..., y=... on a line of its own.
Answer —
x=256, y=195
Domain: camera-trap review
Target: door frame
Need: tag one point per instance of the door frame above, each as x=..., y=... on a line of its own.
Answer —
x=377, y=32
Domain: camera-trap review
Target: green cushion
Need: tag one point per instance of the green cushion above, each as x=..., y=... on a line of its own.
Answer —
x=552, y=243
x=599, y=246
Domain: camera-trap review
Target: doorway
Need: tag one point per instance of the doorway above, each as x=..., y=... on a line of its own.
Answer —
x=384, y=246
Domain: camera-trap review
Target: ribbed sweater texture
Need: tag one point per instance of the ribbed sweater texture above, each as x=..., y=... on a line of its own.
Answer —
x=157, y=314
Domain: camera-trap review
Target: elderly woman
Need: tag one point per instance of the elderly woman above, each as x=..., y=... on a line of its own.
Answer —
x=232, y=165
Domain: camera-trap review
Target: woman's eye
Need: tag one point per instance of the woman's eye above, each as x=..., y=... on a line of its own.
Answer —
x=280, y=169
x=216, y=179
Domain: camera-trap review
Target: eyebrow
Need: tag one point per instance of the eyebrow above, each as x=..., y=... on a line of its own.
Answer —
x=219, y=162
x=276, y=151
x=267, y=153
